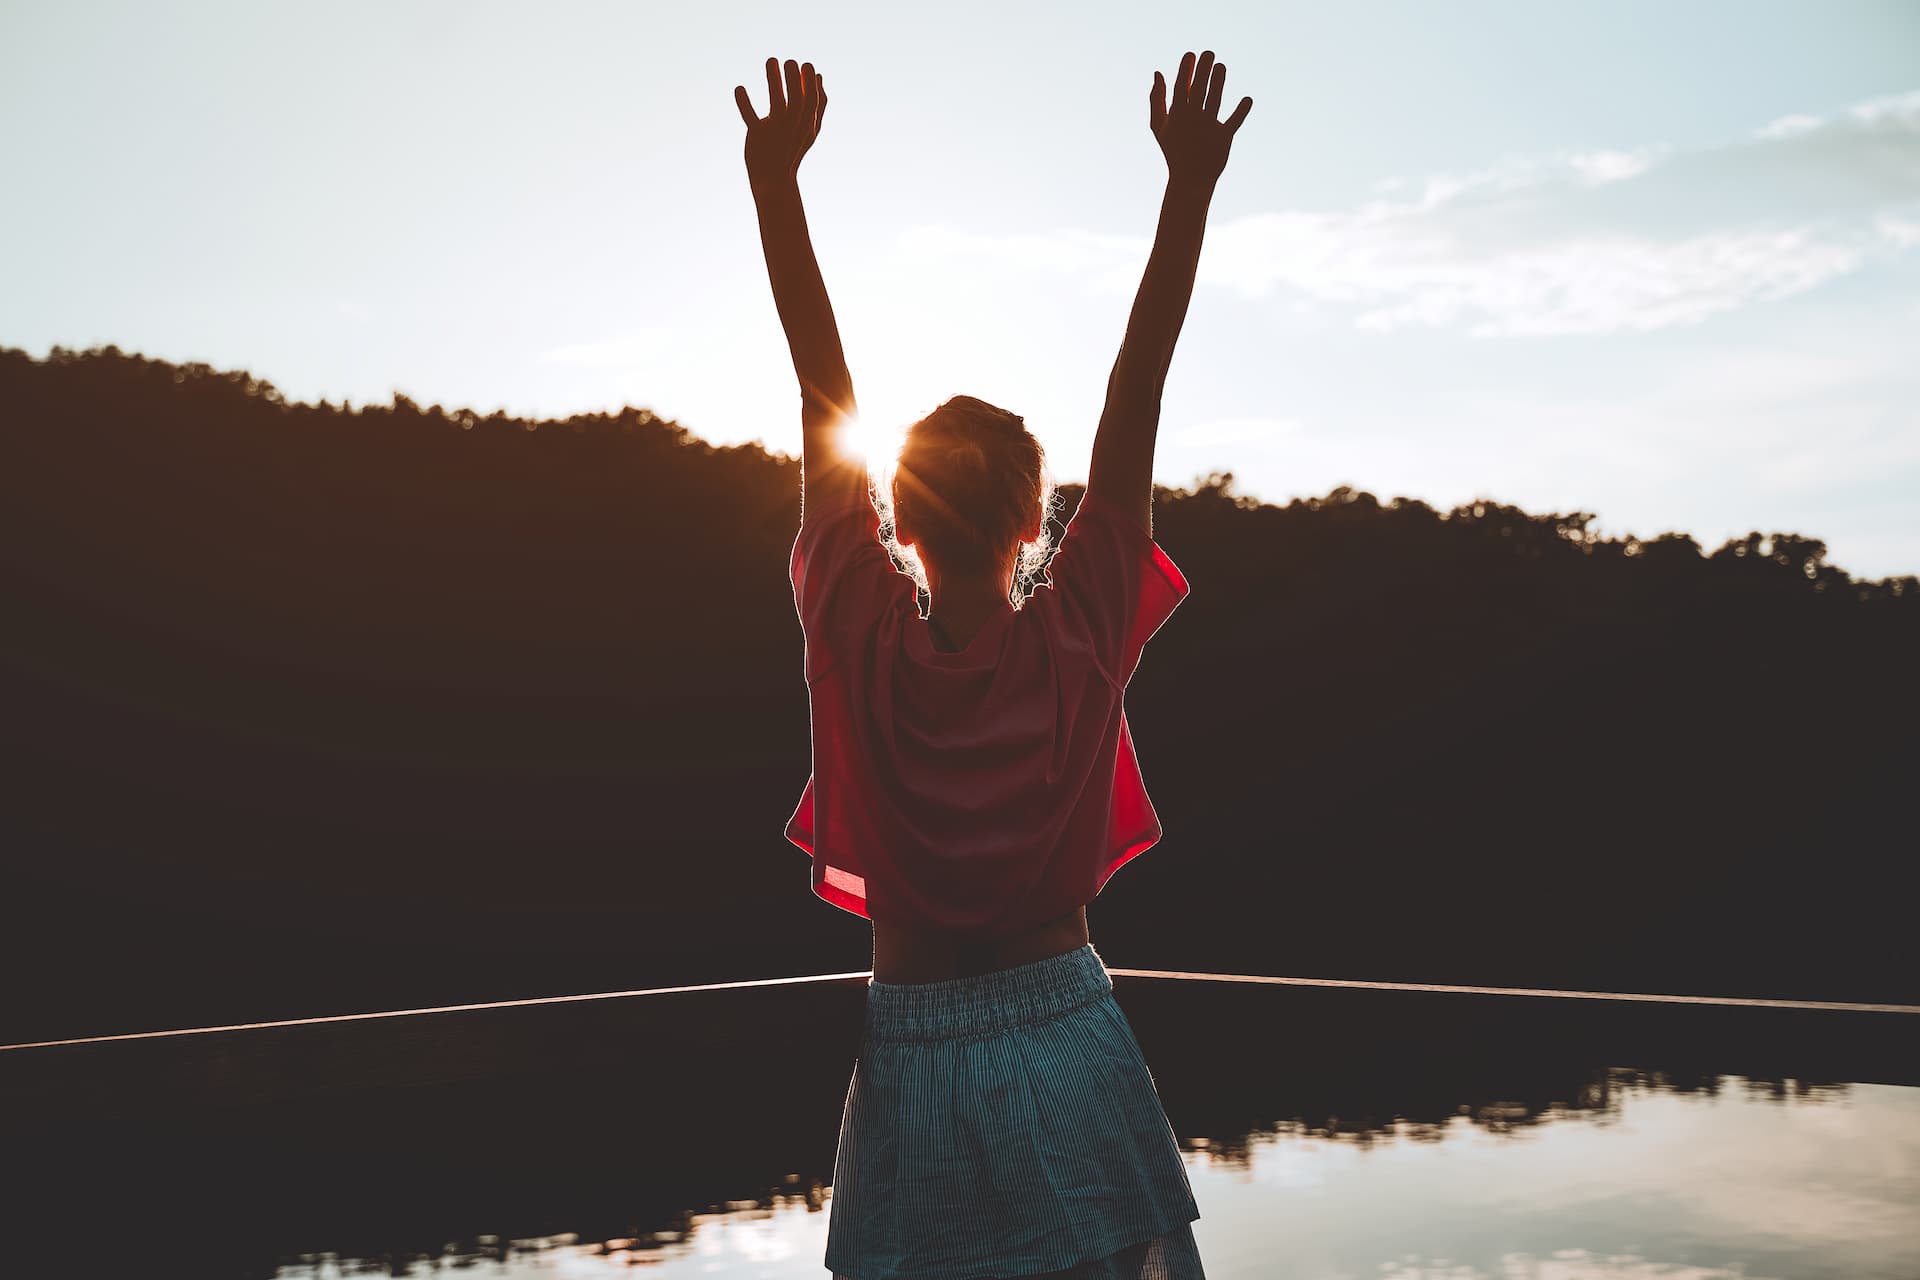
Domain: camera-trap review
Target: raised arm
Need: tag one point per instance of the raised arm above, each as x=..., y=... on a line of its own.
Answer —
x=775, y=145
x=1195, y=142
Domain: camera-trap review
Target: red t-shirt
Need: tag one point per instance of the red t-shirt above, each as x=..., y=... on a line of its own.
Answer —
x=984, y=791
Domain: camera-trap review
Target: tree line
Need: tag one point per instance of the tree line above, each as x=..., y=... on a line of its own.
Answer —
x=313, y=708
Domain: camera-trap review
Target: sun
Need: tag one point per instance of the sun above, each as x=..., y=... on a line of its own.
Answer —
x=876, y=436
x=862, y=439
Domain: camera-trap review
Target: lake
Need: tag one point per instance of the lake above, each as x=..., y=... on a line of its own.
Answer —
x=1329, y=1135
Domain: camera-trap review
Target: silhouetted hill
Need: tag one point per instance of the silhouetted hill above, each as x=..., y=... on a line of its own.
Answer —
x=310, y=710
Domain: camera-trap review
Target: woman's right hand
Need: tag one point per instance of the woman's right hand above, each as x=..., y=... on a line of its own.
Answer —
x=777, y=141
x=1188, y=128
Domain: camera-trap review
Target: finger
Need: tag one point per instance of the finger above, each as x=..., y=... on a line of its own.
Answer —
x=1239, y=116
x=1216, y=89
x=776, y=95
x=744, y=101
x=1182, y=81
x=809, y=83
x=1202, y=69
x=1157, y=103
x=793, y=84
x=820, y=83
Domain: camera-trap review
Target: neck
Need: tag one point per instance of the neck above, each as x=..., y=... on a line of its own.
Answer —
x=963, y=603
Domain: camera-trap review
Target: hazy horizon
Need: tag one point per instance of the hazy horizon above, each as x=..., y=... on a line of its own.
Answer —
x=1655, y=264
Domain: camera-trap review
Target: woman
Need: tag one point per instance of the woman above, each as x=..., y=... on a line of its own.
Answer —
x=974, y=780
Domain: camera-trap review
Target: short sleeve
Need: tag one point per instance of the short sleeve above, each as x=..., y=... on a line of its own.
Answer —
x=1115, y=578
x=843, y=579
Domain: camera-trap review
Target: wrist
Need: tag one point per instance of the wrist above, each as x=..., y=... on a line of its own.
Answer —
x=781, y=185
x=1191, y=184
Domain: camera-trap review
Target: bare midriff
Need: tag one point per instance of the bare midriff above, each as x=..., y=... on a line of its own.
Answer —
x=907, y=956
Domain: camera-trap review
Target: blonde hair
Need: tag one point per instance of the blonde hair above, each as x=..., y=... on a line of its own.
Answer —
x=969, y=479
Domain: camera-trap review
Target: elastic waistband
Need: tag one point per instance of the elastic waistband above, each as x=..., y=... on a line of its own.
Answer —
x=987, y=1002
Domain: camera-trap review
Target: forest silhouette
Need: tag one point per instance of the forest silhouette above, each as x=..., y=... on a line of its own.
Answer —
x=313, y=708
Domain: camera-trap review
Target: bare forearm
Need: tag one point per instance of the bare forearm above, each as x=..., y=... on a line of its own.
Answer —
x=1122, y=465
x=1166, y=288
x=1185, y=118
x=800, y=294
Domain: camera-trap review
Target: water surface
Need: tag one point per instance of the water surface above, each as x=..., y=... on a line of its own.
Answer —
x=1737, y=1179
x=1329, y=1135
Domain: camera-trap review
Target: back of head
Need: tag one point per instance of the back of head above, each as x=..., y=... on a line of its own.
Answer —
x=969, y=489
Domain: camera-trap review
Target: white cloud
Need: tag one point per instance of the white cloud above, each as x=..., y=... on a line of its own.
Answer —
x=1400, y=270
x=1899, y=232
x=1599, y=167
x=1892, y=109
x=1592, y=242
x=1788, y=127
x=1515, y=174
x=1442, y=189
x=1895, y=108
x=1602, y=285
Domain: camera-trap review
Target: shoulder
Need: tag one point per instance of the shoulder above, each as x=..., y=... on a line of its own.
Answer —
x=1097, y=508
x=836, y=488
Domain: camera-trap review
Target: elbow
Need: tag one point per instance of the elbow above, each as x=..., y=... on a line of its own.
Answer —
x=1135, y=385
x=1139, y=372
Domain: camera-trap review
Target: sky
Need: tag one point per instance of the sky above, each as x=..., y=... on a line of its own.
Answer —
x=1656, y=262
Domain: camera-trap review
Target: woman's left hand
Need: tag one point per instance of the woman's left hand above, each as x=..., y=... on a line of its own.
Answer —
x=777, y=141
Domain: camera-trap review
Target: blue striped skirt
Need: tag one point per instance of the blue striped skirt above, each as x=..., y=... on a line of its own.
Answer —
x=1006, y=1125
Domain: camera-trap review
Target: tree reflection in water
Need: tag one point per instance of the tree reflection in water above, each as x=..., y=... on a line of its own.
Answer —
x=650, y=1121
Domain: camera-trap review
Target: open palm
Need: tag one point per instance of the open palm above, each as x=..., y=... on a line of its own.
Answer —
x=1188, y=127
x=795, y=104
